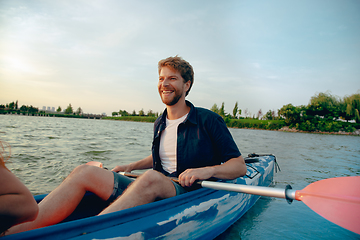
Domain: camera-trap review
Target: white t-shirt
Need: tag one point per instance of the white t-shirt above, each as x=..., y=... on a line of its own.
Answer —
x=168, y=144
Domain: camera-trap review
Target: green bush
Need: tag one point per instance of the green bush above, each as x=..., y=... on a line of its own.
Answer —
x=254, y=123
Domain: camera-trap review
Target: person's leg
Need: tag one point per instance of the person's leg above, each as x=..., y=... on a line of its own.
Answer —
x=62, y=201
x=149, y=186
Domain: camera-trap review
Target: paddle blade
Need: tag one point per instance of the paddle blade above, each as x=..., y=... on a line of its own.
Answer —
x=336, y=199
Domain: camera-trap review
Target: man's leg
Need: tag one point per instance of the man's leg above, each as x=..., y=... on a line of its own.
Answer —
x=149, y=186
x=62, y=201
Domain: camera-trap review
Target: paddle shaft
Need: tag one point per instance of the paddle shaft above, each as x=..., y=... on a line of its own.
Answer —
x=249, y=189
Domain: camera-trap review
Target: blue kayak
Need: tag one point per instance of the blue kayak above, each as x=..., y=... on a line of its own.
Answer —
x=200, y=214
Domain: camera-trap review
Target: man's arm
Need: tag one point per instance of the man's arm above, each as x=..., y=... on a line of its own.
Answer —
x=231, y=169
x=145, y=163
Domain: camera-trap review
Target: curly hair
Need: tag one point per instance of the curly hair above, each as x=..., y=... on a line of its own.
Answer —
x=185, y=69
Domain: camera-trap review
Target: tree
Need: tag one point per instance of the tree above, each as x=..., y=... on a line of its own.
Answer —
x=235, y=110
x=114, y=113
x=32, y=109
x=123, y=113
x=141, y=112
x=58, y=109
x=357, y=116
x=290, y=113
x=247, y=113
x=351, y=107
x=259, y=114
x=12, y=106
x=324, y=105
x=79, y=111
x=222, y=110
x=150, y=113
x=270, y=115
x=24, y=108
x=69, y=109
x=215, y=108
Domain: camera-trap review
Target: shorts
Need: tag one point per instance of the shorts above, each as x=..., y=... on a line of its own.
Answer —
x=121, y=182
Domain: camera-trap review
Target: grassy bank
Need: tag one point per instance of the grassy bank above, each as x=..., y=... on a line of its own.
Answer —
x=234, y=123
x=132, y=118
x=340, y=127
x=254, y=123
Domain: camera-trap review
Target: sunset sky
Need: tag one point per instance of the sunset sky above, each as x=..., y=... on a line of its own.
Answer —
x=102, y=55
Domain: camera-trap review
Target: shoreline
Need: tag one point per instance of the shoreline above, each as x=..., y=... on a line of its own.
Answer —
x=287, y=129
x=283, y=129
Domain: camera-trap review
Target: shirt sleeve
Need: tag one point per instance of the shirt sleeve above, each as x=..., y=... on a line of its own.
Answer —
x=223, y=141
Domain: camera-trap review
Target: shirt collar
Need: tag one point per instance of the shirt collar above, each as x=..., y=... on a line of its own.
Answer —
x=191, y=116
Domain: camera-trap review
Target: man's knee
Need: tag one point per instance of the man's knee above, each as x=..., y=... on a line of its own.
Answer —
x=151, y=178
x=81, y=173
x=81, y=169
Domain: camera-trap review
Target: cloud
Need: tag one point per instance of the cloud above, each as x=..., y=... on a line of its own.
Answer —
x=102, y=55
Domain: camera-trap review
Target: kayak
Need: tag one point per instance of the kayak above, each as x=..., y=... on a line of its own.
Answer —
x=200, y=214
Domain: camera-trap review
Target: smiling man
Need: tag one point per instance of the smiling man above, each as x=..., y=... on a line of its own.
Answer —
x=190, y=143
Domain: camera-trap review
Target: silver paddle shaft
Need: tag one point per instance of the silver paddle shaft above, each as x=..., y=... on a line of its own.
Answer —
x=287, y=193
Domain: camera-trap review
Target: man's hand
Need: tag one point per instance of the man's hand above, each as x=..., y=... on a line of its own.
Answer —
x=122, y=168
x=145, y=163
x=231, y=169
x=189, y=176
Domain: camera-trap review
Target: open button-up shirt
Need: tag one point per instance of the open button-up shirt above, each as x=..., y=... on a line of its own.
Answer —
x=203, y=140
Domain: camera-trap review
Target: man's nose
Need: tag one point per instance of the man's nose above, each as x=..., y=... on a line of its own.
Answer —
x=165, y=82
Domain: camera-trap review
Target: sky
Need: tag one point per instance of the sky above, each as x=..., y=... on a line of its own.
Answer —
x=102, y=55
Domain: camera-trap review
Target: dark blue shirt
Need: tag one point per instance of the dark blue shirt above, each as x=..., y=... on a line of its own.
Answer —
x=203, y=140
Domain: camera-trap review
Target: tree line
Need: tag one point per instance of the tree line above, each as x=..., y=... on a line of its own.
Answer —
x=323, y=113
x=14, y=107
x=141, y=113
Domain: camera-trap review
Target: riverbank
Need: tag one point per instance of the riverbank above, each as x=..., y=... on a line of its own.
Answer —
x=272, y=125
x=288, y=129
x=52, y=114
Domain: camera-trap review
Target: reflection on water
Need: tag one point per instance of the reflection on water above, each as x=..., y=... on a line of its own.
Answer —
x=45, y=150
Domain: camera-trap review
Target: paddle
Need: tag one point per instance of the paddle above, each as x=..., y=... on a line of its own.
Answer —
x=335, y=199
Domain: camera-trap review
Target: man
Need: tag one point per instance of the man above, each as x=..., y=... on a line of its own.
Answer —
x=189, y=143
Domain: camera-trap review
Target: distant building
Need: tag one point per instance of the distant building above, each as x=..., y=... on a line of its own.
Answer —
x=48, y=109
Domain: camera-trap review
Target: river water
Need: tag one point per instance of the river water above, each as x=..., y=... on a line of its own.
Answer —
x=45, y=149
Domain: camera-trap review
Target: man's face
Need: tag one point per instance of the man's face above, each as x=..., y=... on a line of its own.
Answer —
x=171, y=86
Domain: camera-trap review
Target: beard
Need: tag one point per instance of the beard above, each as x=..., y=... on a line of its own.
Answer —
x=172, y=101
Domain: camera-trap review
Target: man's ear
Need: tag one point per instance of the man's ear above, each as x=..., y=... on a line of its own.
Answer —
x=187, y=85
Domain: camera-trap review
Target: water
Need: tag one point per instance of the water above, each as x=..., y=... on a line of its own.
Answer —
x=45, y=149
